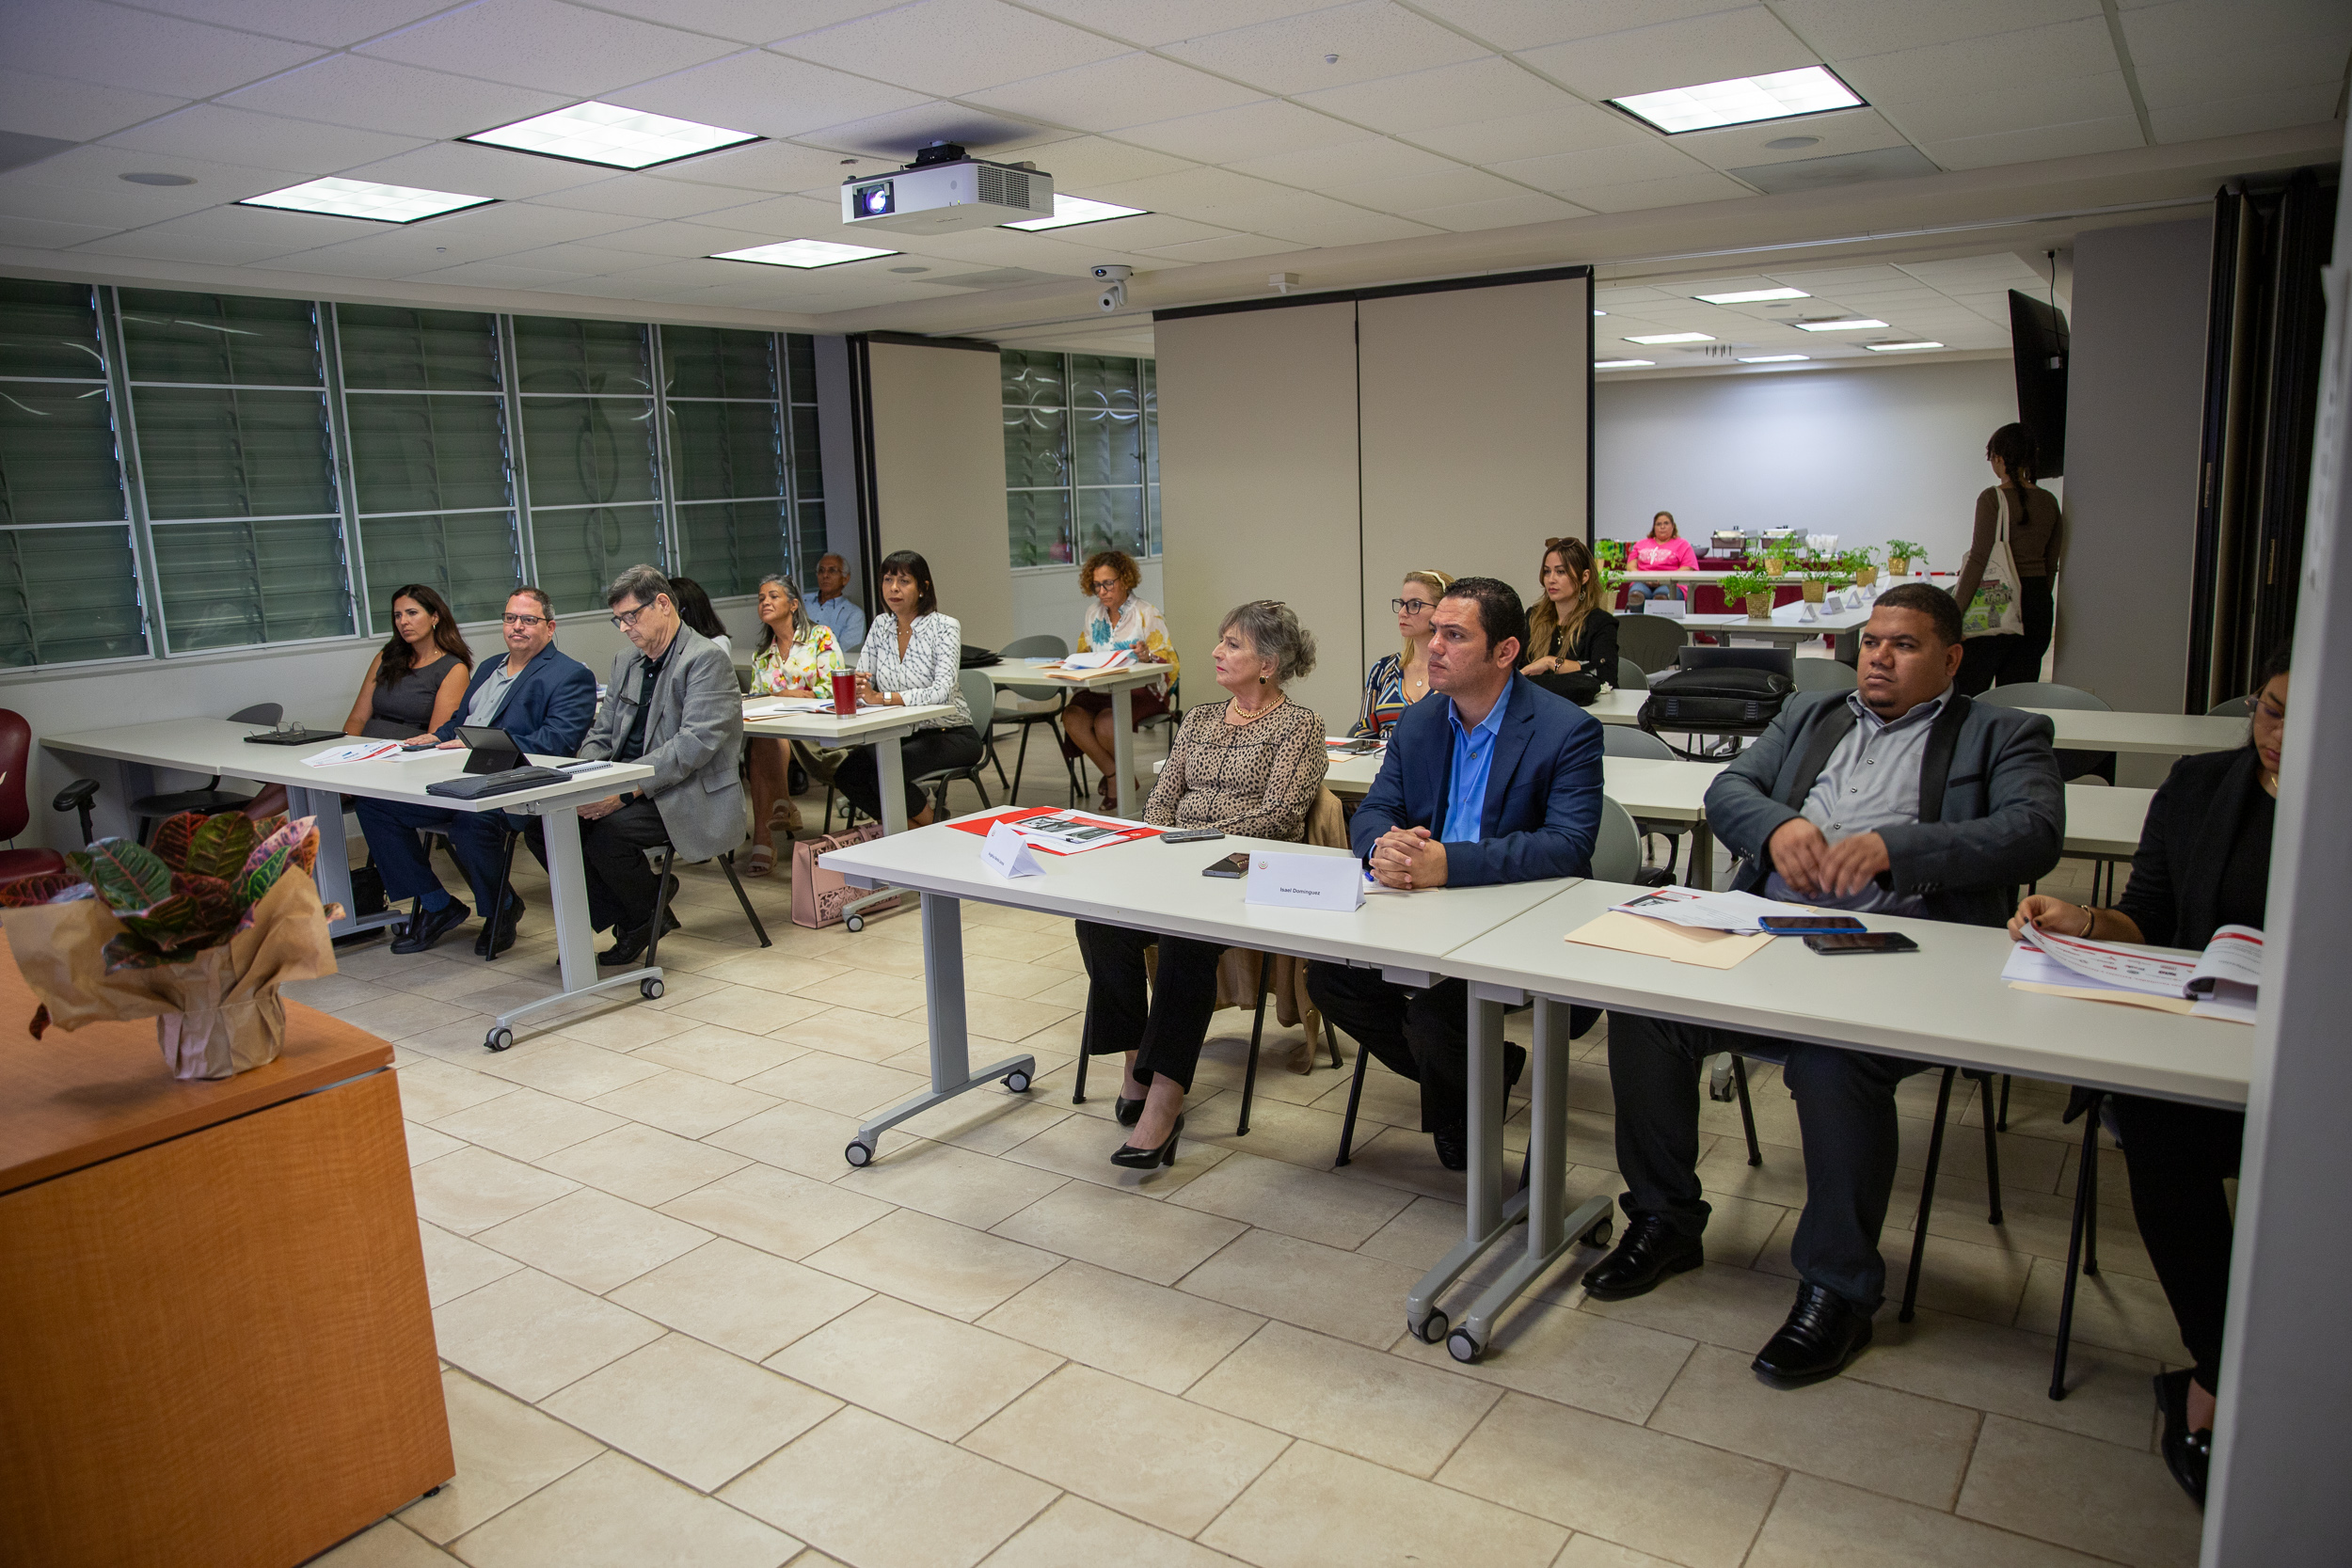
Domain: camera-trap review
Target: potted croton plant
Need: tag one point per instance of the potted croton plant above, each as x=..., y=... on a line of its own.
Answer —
x=1903, y=554
x=1754, y=588
x=197, y=932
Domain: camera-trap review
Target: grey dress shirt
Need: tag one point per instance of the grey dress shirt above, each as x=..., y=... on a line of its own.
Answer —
x=1871, y=780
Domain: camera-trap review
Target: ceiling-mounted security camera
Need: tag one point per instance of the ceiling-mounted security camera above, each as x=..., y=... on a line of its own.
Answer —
x=1113, y=272
x=1113, y=297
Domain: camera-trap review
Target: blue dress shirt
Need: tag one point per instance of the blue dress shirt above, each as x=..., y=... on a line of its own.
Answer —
x=1473, y=759
x=847, y=622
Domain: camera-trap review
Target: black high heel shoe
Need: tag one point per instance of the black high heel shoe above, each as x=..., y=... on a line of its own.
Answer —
x=1150, y=1159
x=1128, y=1111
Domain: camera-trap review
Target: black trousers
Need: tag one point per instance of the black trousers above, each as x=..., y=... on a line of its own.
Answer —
x=859, y=777
x=1165, y=1031
x=1422, y=1036
x=2178, y=1156
x=620, y=886
x=1845, y=1103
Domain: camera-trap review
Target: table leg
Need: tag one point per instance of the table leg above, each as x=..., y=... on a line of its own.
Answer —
x=890, y=774
x=1488, y=1218
x=1702, y=872
x=1124, y=750
x=951, y=1057
x=574, y=939
x=332, y=871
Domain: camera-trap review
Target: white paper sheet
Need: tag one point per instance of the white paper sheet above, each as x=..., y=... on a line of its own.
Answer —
x=1704, y=912
x=357, y=750
x=1005, y=853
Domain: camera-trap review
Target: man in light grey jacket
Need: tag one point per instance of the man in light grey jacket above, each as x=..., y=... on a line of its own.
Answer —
x=1903, y=798
x=672, y=706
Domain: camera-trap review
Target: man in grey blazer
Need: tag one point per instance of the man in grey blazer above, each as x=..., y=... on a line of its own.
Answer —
x=1903, y=798
x=675, y=706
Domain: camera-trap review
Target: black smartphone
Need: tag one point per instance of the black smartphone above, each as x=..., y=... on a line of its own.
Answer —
x=1797, y=925
x=1832, y=944
x=1190, y=836
x=1234, y=864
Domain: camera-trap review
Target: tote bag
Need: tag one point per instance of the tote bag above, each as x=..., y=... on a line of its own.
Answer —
x=819, y=896
x=1995, y=612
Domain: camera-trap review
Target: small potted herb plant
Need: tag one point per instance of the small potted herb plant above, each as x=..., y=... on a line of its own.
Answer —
x=1754, y=589
x=1902, y=554
x=1860, y=564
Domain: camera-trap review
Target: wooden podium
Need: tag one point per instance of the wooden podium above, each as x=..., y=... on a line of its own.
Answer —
x=215, y=1341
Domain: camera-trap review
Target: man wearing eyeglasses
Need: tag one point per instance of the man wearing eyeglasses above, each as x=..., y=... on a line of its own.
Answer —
x=544, y=699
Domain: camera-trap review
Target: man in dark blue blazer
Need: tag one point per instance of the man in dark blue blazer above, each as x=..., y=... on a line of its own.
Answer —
x=545, y=700
x=1492, y=779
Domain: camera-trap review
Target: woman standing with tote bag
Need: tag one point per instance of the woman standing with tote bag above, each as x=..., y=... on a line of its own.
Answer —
x=2004, y=595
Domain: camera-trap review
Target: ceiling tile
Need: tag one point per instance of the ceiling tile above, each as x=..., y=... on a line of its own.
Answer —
x=1845, y=29
x=305, y=21
x=1365, y=158
x=952, y=47
x=96, y=168
x=1638, y=195
x=380, y=95
x=772, y=167
x=1371, y=38
x=1249, y=132
x=747, y=20
x=2220, y=74
x=634, y=195
x=1570, y=128
x=141, y=51
x=77, y=111
x=1650, y=159
x=476, y=235
x=231, y=135
x=545, y=44
x=2013, y=106
x=1235, y=249
x=497, y=274
x=681, y=239
x=2056, y=53
x=1438, y=188
x=1135, y=233
x=227, y=236
x=1823, y=280
x=1473, y=91
x=1198, y=193
x=1152, y=23
x=1111, y=95
x=1532, y=24
x=1744, y=146
x=1745, y=42
x=1079, y=163
x=479, y=171
x=1504, y=212
x=43, y=234
x=2029, y=145
x=1346, y=226
x=767, y=93
x=2230, y=117
x=2186, y=31
x=895, y=136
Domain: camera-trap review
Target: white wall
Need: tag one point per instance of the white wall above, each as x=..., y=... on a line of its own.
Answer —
x=1888, y=451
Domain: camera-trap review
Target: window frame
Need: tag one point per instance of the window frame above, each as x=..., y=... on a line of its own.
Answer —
x=1146, y=460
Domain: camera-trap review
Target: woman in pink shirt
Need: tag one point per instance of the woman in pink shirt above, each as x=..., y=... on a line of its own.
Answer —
x=1664, y=550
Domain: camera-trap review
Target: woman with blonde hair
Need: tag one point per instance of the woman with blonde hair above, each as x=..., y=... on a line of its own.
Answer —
x=1568, y=633
x=797, y=658
x=1396, y=681
x=1117, y=619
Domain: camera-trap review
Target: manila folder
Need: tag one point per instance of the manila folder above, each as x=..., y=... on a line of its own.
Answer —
x=1657, y=938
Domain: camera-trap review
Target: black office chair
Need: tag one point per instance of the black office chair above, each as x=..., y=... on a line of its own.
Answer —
x=211, y=800
x=1249, y=1074
x=661, y=897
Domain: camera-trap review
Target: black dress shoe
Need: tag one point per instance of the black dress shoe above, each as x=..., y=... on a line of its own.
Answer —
x=1825, y=1331
x=1128, y=1111
x=427, y=927
x=628, y=945
x=497, y=936
x=2186, y=1453
x=1652, y=1249
x=1150, y=1159
x=1453, y=1146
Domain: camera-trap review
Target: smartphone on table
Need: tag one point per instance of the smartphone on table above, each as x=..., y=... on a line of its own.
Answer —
x=1234, y=864
x=1837, y=943
x=1798, y=924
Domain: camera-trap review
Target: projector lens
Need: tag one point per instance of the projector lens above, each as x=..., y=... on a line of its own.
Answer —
x=874, y=202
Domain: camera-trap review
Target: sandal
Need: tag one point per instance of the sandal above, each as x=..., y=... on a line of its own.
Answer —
x=762, y=861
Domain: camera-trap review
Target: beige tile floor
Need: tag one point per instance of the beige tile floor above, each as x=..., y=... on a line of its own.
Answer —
x=677, y=1328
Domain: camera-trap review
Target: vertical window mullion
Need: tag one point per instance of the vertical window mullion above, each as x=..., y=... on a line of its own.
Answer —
x=517, y=465
x=345, y=464
x=134, y=470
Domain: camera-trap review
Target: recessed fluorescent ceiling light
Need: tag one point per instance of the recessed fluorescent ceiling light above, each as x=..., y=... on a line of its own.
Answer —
x=803, y=253
x=359, y=199
x=1673, y=337
x=1859, y=324
x=1899, y=348
x=606, y=134
x=1620, y=364
x=1741, y=100
x=1771, y=359
x=1070, y=210
x=1751, y=296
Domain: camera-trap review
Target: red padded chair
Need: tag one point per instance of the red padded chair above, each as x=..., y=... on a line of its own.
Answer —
x=16, y=756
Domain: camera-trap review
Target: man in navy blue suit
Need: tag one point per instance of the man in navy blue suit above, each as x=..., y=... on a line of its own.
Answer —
x=1491, y=779
x=545, y=700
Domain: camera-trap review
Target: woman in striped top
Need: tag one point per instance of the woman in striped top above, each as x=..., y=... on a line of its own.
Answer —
x=1397, y=680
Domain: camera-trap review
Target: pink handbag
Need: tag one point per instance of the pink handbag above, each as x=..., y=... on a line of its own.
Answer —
x=819, y=895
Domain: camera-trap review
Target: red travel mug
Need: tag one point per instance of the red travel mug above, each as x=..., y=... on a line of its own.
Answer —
x=844, y=693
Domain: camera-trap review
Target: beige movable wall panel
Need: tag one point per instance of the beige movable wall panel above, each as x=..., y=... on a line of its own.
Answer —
x=1475, y=432
x=939, y=476
x=1258, y=486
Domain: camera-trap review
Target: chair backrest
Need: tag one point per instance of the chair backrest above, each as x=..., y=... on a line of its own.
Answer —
x=1617, y=847
x=1043, y=645
x=1825, y=675
x=1848, y=649
x=1631, y=677
x=1781, y=661
x=260, y=713
x=1624, y=740
x=2236, y=707
x=979, y=695
x=16, y=751
x=2044, y=694
x=1651, y=640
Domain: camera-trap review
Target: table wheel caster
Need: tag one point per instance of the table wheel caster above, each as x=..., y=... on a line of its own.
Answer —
x=649, y=989
x=859, y=1154
x=1431, y=1330
x=856, y=923
x=1463, y=1346
x=498, y=1039
x=1017, y=1082
x=1603, y=1229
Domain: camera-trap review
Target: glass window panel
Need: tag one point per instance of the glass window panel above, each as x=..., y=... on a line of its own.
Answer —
x=1152, y=517
x=220, y=339
x=1111, y=520
x=1032, y=378
x=579, y=551
x=1105, y=445
x=588, y=450
x=69, y=593
x=420, y=351
x=800, y=363
x=49, y=329
x=473, y=558
x=811, y=541
x=557, y=354
x=417, y=453
x=1036, y=448
x=217, y=452
x=1038, y=522
x=229, y=583
x=729, y=546
x=724, y=451
x=808, y=456
x=57, y=454
x=712, y=362
x=1150, y=423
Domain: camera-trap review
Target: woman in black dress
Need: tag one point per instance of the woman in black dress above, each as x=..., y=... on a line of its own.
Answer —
x=1571, y=640
x=2203, y=862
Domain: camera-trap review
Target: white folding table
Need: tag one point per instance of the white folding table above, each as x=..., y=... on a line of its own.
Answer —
x=1121, y=683
x=880, y=727
x=217, y=746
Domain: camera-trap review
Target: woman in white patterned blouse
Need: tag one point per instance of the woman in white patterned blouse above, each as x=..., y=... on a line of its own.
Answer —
x=911, y=658
x=797, y=658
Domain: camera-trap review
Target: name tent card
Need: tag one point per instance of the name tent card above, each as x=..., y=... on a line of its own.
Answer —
x=1305, y=881
x=1007, y=854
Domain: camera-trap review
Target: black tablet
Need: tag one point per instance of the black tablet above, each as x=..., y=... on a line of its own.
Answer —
x=490, y=750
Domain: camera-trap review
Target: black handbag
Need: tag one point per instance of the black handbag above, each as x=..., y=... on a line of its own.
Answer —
x=1581, y=686
x=970, y=658
x=1716, y=700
